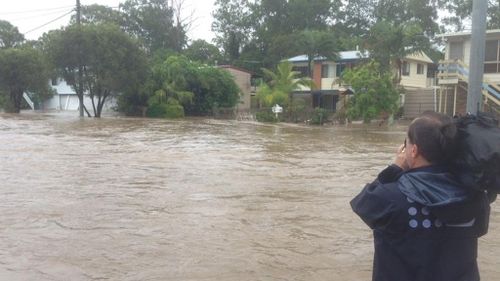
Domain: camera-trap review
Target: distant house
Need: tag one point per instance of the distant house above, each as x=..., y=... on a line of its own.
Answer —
x=65, y=98
x=243, y=79
x=326, y=77
x=330, y=89
x=454, y=73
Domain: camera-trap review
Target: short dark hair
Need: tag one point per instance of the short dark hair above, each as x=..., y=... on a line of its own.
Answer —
x=434, y=134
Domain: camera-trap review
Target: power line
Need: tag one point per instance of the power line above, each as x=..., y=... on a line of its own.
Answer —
x=35, y=11
x=60, y=17
x=37, y=16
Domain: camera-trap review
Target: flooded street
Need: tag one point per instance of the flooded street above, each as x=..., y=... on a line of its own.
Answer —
x=197, y=199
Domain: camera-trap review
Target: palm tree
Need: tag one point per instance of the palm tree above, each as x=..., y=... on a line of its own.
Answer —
x=281, y=85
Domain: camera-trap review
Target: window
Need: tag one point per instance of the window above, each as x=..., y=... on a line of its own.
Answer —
x=420, y=68
x=324, y=71
x=456, y=51
x=491, y=57
x=405, y=69
x=304, y=70
x=340, y=69
x=54, y=81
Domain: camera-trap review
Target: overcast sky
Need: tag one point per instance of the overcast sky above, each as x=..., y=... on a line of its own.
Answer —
x=30, y=15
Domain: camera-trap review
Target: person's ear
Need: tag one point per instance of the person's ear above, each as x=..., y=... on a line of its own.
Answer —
x=414, y=151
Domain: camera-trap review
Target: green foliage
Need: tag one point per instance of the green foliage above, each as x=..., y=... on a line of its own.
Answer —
x=152, y=22
x=296, y=109
x=22, y=70
x=265, y=31
x=374, y=92
x=389, y=43
x=266, y=116
x=281, y=84
x=99, y=14
x=314, y=43
x=170, y=109
x=203, y=52
x=460, y=12
x=319, y=116
x=112, y=62
x=10, y=36
x=213, y=87
x=188, y=85
x=174, y=109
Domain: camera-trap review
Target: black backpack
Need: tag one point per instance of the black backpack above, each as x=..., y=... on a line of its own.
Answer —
x=477, y=161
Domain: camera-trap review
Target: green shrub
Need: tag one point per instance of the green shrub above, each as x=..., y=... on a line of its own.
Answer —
x=319, y=116
x=174, y=111
x=266, y=116
x=157, y=111
x=171, y=109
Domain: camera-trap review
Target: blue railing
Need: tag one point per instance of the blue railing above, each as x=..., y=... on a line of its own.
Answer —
x=457, y=68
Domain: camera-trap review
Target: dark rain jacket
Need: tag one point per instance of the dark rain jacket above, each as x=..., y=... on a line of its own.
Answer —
x=425, y=225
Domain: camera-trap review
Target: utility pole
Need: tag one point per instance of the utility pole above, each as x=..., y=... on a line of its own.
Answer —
x=476, y=63
x=79, y=52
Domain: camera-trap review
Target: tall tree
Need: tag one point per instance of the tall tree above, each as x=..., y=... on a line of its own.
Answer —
x=460, y=12
x=96, y=14
x=152, y=22
x=204, y=52
x=374, y=92
x=22, y=70
x=233, y=26
x=112, y=61
x=389, y=44
x=10, y=36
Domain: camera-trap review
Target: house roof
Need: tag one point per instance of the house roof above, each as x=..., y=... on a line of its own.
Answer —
x=342, y=56
x=235, y=68
x=467, y=33
x=419, y=56
x=346, y=56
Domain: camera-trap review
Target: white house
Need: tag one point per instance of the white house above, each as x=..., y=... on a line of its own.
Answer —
x=454, y=72
x=65, y=98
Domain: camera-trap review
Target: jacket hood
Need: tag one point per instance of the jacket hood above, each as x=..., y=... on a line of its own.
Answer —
x=432, y=187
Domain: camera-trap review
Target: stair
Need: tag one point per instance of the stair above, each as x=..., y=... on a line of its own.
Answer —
x=452, y=72
x=29, y=101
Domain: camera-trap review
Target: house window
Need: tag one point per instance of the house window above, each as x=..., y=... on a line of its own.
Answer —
x=420, y=68
x=405, y=69
x=325, y=71
x=456, y=51
x=340, y=69
x=303, y=70
x=53, y=81
x=491, y=57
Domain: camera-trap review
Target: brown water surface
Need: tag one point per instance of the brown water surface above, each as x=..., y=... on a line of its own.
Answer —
x=198, y=199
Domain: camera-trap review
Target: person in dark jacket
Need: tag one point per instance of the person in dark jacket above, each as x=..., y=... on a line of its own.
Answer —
x=425, y=224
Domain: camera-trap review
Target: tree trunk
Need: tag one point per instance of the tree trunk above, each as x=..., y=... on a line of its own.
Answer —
x=16, y=96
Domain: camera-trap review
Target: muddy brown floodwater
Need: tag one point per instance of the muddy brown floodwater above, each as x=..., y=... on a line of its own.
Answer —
x=197, y=199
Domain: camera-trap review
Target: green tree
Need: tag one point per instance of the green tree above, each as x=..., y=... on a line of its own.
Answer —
x=233, y=26
x=314, y=43
x=214, y=88
x=389, y=44
x=374, y=92
x=281, y=84
x=22, y=70
x=10, y=36
x=204, y=52
x=97, y=14
x=152, y=22
x=112, y=62
x=194, y=87
x=460, y=12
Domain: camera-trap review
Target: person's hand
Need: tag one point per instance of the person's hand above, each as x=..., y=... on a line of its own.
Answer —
x=400, y=159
